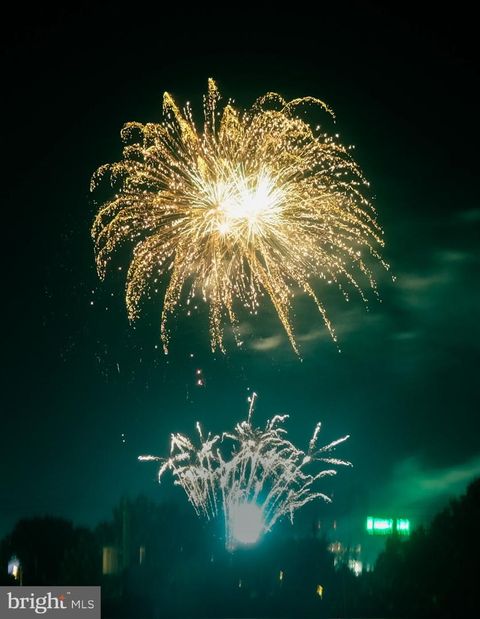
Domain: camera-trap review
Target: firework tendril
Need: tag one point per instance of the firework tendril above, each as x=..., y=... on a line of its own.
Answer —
x=249, y=466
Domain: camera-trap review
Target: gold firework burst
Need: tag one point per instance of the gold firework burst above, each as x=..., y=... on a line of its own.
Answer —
x=257, y=203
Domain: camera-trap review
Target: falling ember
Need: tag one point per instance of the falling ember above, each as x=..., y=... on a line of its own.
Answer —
x=250, y=477
x=257, y=203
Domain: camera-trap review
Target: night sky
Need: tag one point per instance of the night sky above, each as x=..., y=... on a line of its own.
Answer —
x=85, y=392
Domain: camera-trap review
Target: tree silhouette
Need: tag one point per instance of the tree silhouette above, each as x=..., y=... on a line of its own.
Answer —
x=52, y=552
x=184, y=569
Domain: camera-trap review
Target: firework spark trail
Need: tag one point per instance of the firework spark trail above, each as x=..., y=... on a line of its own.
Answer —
x=256, y=203
x=260, y=467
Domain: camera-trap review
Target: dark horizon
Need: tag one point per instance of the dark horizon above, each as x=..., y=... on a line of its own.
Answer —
x=156, y=561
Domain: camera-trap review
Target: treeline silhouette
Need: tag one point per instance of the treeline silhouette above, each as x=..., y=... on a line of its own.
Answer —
x=434, y=573
x=161, y=561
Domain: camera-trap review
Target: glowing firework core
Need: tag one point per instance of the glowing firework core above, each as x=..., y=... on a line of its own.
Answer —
x=256, y=203
x=246, y=523
x=247, y=206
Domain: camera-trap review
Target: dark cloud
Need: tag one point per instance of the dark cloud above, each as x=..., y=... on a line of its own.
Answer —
x=419, y=490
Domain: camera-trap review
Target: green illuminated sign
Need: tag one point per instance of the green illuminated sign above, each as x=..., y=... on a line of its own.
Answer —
x=403, y=526
x=387, y=526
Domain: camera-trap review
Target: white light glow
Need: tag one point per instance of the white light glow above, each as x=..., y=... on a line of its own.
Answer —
x=246, y=205
x=246, y=523
x=14, y=567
